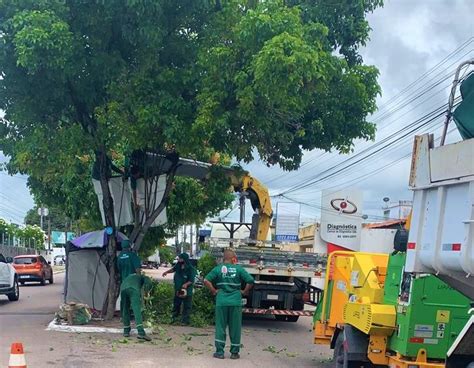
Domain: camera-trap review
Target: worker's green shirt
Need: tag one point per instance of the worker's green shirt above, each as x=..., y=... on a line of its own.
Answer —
x=127, y=263
x=182, y=276
x=136, y=282
x=228, y=279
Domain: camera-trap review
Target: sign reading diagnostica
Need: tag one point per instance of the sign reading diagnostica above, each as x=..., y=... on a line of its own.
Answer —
x=287, y=222
x=341, y=218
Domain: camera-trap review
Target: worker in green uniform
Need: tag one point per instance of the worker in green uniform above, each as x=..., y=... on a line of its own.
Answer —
x=225, y=281
x=128, y=261
x=184, y=275
x=131, y=296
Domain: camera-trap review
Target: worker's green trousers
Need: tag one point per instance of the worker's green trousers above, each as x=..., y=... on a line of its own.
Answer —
x=131, y=298
x=232, y=317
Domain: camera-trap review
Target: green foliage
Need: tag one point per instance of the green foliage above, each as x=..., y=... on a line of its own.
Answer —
x=233, y=77
x=278, y=71
x=58, y=219
x=167, y=254
x=159, y=303
x=30, y=235
x=206, y=263
x=202, y=314
x=154, y=238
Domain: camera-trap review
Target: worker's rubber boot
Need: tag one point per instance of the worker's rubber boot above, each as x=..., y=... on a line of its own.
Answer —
x=144, y=337
x=126, y=332
x=235, y=356
x=218, y=356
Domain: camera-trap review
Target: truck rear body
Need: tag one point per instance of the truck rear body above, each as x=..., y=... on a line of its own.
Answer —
x=282, y=279
x=441, y=234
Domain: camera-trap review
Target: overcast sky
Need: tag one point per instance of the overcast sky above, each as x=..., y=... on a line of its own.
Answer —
x=409, y=38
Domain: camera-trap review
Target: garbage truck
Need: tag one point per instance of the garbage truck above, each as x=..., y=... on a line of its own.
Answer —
x=413, y=308
x=441, y=240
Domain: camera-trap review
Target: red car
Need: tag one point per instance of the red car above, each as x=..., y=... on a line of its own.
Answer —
x=33, y=268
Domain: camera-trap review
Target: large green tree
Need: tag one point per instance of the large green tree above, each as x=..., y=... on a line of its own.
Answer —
x=88, y=79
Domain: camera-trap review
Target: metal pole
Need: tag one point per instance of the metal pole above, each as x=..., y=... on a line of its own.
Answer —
x=41, y=217
x=191, y=239
x=242, y=208
x=183, y=242
x=451, y=99
x=49, y=233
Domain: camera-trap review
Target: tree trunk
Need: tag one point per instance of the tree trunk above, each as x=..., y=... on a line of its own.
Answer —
x=139, y=231
x=108, y=308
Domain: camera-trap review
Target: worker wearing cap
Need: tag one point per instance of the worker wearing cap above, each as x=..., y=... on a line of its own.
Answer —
x=128, y=262
x=184, y=275
x=225, y=281
x=131, y=297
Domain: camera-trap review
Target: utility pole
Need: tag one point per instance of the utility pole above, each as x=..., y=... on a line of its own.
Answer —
x=184, y=239
x=49, y=234
x=191, y=239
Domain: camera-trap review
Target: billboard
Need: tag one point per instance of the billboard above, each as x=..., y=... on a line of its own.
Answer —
x=57, y=237
x=287, y=222
x=341, y=217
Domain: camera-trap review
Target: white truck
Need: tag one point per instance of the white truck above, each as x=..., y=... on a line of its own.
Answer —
x=8, y=279
x=282, y=279
x=441, y=238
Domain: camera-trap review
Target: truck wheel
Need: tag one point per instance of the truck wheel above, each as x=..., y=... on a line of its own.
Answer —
x=340, y=358
x=15, y=295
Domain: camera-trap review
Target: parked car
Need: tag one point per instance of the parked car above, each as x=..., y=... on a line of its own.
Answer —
x=33, y=268
x=8, y=279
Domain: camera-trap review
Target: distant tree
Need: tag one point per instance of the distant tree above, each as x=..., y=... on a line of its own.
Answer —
x=58, y=219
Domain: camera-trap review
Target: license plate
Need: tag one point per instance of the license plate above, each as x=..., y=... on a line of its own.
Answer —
x=25, y=276
x=272, y=297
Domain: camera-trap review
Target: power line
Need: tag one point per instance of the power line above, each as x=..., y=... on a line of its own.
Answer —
x=404, y=98
x=375, y=148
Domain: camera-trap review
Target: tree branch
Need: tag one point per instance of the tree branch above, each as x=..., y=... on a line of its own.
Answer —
x=138, y=233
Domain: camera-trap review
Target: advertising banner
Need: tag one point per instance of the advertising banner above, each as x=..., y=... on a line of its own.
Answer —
x=287, y=222
x=341, y=218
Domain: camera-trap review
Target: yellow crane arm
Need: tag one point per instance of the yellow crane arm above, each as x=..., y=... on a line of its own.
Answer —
x=260, y=200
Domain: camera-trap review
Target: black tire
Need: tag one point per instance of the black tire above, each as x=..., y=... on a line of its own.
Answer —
x=339, y=351
x=51, y=279
x=43, y=281
x=340, y=359
x=292, y=318
x=15, y=295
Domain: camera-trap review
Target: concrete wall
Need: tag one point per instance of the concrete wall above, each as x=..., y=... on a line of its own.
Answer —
x=9, y=251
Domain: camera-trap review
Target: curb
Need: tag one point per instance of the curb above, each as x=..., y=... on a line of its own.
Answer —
x=87, y=329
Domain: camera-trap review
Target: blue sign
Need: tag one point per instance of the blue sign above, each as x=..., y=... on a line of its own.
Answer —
x=289, y=238
x=57, y=237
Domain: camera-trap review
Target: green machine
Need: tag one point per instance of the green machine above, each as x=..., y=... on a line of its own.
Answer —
x=430, y=314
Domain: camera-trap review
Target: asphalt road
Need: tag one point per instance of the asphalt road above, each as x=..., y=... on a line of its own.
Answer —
x=266, y=342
